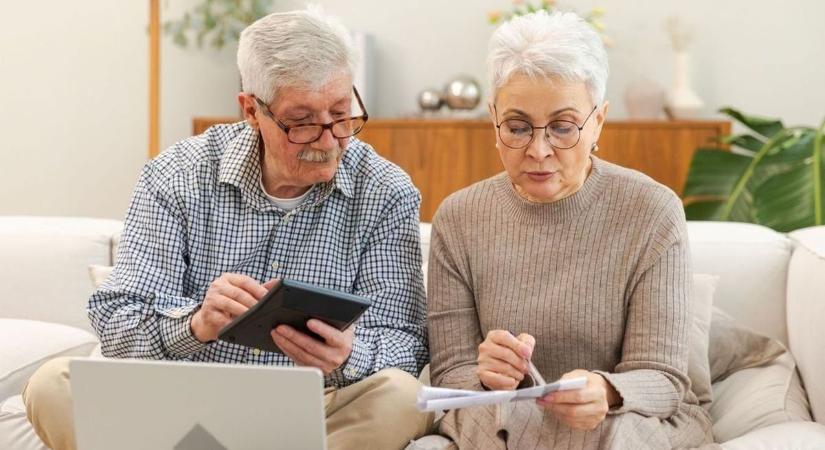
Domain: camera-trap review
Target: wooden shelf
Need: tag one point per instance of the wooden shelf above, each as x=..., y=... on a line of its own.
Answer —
x=443, y=156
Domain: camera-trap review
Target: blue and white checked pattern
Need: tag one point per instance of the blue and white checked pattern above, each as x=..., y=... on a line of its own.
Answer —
x=198, y=211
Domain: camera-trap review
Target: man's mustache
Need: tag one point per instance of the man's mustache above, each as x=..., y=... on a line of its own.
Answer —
x=319, y=156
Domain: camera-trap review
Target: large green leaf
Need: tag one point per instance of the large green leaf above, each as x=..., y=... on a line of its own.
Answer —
x=746, y=141
x=796, y=151
x=819, y=172
x=785, y=201
x=763, y=125
x=777, y=182
x=704, y=209
x=715, y=173
x=791, y=198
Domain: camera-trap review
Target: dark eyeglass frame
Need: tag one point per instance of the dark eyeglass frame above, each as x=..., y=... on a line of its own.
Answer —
x=323, y=126
x=533, y=128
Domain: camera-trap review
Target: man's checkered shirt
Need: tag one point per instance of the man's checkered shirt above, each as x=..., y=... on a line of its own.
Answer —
x=198, y=211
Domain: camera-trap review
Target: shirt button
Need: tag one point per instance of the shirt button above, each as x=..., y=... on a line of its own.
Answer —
x=350, y=372
x=275, y=265
x=256, y=352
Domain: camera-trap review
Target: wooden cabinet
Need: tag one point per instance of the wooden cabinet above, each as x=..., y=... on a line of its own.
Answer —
x=443, y=156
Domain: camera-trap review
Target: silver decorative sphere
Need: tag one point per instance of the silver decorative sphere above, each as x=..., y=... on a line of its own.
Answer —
x=462, y=92
x=430, y=100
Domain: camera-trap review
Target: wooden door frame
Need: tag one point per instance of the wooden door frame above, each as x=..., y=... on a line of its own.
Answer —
x=154, y=78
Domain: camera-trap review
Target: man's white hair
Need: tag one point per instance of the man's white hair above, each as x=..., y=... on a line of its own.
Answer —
x=546, y=45
x=304, y=48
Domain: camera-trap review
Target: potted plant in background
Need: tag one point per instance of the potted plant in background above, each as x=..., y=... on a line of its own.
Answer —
x=522, y=7
x=774, y=176
x=216, y=21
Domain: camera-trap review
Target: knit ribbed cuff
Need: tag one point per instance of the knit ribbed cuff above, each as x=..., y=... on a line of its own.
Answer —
x=646, y=392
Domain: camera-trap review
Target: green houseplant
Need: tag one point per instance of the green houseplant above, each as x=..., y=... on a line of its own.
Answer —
x=522, y=7
x=773, y=176
x=218, y=21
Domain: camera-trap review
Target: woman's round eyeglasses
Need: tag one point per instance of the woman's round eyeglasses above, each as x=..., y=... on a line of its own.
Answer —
x=561, y=134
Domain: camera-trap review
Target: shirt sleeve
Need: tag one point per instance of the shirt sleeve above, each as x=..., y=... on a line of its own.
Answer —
x=455, y=333
x=652, y=376
x=140, y=311
x=392, y=332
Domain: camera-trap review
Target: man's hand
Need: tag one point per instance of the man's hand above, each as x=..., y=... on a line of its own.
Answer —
x=502, y=359
x=327, y=355
x=586, y=408
x=228, y=296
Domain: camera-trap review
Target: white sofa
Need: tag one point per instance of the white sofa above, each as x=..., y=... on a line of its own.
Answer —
x=770, y=282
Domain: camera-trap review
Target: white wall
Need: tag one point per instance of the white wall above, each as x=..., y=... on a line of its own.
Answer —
x=73, y=77
x=73, y=108
x=194, y=82
x=74, y=105
x=762, y=57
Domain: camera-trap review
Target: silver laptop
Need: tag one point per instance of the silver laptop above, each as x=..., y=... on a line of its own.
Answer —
x=132, y=404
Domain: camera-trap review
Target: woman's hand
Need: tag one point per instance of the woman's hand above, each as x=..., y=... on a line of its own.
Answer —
x=582, y=409
x=502, y=359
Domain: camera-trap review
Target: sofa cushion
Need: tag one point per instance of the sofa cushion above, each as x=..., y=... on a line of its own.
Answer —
x=783, y=436
x=44, y=262
x=758, y=397
x=16, y=433
x=752, y=264
x=43, y=341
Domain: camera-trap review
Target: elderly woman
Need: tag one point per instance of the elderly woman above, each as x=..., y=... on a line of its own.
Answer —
x=565, y=260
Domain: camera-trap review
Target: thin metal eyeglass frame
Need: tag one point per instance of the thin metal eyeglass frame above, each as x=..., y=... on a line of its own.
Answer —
x=533, y=128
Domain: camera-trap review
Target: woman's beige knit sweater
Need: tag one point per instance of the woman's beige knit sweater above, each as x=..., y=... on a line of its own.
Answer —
x=600, y=279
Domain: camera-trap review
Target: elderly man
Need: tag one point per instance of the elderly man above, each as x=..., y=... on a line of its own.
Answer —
x=217, y=219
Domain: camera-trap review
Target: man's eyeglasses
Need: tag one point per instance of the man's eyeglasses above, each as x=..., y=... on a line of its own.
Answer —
x=311, y=132
x=561, y=134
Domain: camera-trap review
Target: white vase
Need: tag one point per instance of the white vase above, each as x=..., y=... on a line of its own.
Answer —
x=644, y=99
x=682, y=101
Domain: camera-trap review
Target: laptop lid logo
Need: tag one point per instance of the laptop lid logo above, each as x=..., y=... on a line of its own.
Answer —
x=199, y=439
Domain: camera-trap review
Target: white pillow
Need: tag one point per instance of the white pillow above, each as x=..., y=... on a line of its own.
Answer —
x=38, y=342
x=754, y=398
x=701, y=298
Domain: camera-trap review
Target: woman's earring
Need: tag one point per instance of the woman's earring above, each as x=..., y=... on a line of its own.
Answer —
x=594, y=147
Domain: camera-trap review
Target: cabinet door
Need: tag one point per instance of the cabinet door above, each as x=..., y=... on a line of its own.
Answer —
x=662, y=150
x=440, y=158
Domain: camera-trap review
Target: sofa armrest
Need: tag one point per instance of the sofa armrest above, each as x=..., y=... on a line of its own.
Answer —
x=806, y=312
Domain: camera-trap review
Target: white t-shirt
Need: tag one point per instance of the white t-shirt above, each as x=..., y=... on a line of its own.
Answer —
x=287, y=204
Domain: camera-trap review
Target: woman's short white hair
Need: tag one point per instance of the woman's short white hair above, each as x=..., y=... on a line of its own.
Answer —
x=298, y=48
x=542, y=44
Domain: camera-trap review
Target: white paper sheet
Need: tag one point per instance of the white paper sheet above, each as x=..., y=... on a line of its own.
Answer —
x=438, y=399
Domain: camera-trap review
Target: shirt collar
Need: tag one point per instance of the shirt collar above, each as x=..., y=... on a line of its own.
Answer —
x=240, y=166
